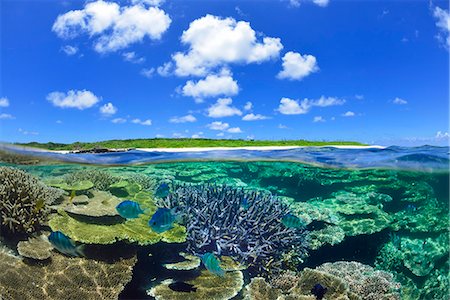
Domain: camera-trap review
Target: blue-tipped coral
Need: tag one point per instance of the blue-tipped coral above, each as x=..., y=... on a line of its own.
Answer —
x=216, y=222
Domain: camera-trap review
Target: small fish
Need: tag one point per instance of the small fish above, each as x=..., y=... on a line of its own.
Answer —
x=212, y=264
x=162, y=191
x=129, y=209
x=65, y=245
x=291, y=221
x=244, y=203
x=410, y=208
x=319, y=291
x=39, y=205
x=162, y=220
x=180, y=286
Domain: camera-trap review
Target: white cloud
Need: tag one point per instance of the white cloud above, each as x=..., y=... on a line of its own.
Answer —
x=234, y=130
x=295, y=107
x=443, y=23
x=297, y=66
x=220, y=134
x=114, y=27
x=118, y=120
x=442, y=135
x=348, y=114
x=147, y=122
x=322, y=3
x=253, y=117
x=318, y=119
x=165, y=70
x=399, y=101
x=248, y=106
x=26, y=132
x=359, y=97
x=218, y=126
x=222, y=108
x=197, y=135
x=148, y=72
x=4, y=102
x=281, y=126
x=73, y=99
x=211, y=86
x=69, y=50
x=159, y=136
x=184, y=119
x=148, y=2
x=215, y=42
x=132, y=57
x=6, y=117
x=108, y=109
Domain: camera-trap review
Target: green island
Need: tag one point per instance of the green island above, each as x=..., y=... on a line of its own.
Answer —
x=182, y=143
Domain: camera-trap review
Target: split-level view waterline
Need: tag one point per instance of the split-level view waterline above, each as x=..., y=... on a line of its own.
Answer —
x=305, y=223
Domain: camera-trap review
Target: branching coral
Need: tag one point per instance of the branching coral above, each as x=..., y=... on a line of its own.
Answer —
x=101, y=179
x=23, y=200
x=216, y=221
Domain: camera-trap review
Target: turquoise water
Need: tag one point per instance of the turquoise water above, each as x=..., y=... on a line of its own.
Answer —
x=373, y=222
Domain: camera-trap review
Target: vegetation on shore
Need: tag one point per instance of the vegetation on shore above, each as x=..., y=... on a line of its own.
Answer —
x=181, y=143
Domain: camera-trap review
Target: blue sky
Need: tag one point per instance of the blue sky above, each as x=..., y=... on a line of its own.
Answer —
x=371, y=71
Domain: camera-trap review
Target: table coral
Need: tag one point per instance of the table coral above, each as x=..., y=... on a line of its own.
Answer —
x=101, y=204
x=63, y=278
x=38, y=248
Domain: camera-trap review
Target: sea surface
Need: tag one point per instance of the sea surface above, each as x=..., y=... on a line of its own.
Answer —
x=370, y=219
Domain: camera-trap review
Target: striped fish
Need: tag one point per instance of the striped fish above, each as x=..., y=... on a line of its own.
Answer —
x=162, y=220
x=291, y=221
x=129, y=209
x=212, y=264
x=65, y=245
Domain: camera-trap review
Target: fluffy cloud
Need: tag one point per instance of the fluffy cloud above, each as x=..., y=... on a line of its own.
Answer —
x=69, y=50
x=118, y=120
x=442, y=135
x=222, y=108
x=248, y=106
x=211, y=86
x=132, y=57
x=148, y=72
x=184, y=119
x=108, y=109
x=443, y=23
x=348, y=114
x=147, y=122
x=297, y=66
x=73, y=99
x=197, y=135
x=322, y=3
x=215, y=42
x=318, y=119
x=253, y=117
x=114, y=27
x=399, y=101
x=295, y=107
x=148, y=2
x=165, y=70
x=221, y=126
x=4, y=102
x=6, y=117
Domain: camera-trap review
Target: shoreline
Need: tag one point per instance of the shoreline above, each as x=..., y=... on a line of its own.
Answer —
x=251, y=148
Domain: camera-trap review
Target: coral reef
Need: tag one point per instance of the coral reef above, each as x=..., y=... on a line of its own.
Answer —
x=38, y=248
x=23, y=200
x=259, y=289
x=145, y=182
x=63, y=278
x=191, y=262
x=209, y=286
x=215, y=221
x=101, y=204
x=100, y=179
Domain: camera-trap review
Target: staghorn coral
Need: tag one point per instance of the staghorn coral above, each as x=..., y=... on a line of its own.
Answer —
x=146, y=182
x=209, y=286
x=363, y=280
x=101, y=179
x=215, y=221
x=23, y=200
x=38, y=248
x=63, y=278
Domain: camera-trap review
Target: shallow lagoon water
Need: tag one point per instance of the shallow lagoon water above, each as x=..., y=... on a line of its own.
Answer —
x=384, y=208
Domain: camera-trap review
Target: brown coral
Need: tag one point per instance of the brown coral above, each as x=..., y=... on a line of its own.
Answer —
x=38, y=248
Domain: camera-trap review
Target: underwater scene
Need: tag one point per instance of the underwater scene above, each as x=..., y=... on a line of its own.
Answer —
x=331, y=224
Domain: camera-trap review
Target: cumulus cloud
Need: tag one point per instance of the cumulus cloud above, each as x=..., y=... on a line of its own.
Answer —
x=148, y=2
x=211, y=86
x=318, y=119
x=197, y=135
x=216, y=42
x=443, y=23
x=6, y=117
x=73, y=99
x=147, y=122
x=118, y=120
x=4, y=102
x=295, y=107
x=234, y=130
x=399, y=101
x=297, y=66
x=253, y=117
x=165, y=70
x=69, y=50
x=222, y=108
x=113, y=27
x=218, y=125
x=148, y=72
x=348, y=114
x=132, y=57
x=248, y=106
x=108, y=109
x=183, y=119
